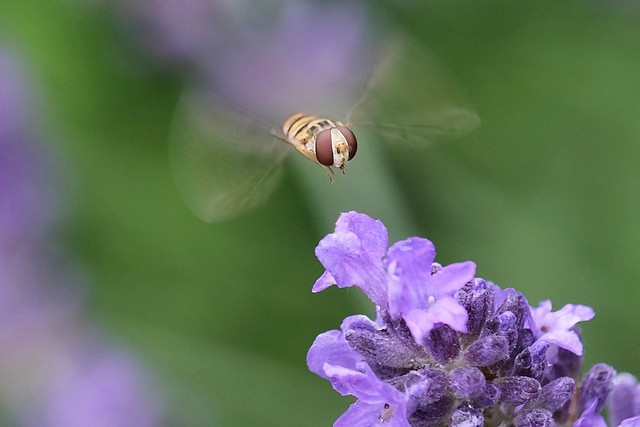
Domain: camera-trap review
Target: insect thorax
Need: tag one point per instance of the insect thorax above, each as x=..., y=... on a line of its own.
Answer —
x=302, y=128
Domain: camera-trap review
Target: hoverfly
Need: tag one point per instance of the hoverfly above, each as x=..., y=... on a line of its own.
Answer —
x=228, y=147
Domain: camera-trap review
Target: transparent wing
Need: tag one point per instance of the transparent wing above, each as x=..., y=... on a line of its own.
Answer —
x=411, y=97
x=224, y=162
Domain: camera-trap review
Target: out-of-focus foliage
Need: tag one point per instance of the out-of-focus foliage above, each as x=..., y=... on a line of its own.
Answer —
x=543, y=196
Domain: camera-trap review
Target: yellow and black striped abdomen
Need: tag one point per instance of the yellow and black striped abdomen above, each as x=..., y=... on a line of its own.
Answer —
x=301, y=128
x=328, y=143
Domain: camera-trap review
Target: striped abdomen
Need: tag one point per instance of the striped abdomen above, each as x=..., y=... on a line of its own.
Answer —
x=325, y=141
x=304, y=127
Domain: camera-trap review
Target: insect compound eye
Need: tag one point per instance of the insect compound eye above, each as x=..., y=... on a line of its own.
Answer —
x=324, y=148
x=351, y=140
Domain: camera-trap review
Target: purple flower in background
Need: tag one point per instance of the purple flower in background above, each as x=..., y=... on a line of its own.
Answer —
x=310, y=54
x=25, y=207
x=174, y=31
x=450, y=349
x=48, y=376
x=100, y=390
x=267, y=58
x=14, y=112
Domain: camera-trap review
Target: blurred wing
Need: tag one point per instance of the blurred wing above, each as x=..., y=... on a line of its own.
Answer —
x=411, y=97
x=224, y=162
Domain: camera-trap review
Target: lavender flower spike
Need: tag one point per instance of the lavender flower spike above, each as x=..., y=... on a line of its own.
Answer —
x=403, y=281
x=450, y=349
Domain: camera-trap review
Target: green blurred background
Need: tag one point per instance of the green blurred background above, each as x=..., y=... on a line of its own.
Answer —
x=544, y=196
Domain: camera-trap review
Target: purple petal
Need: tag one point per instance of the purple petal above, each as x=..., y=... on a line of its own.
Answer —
x=543, y=309
x=631, y=422
x=344, y=256
x=363, y=384
x=450, y=312
x=566, y=339
x=622, y=398
x=398, y=300
x=362, y=414
x=371, y=232
x=330, y=347
x=410, y=262
x=590, y=418
x=547, y=321
x=413, y=284
x=571, y=314
x=444, y=310
x=451, y=278
x=323, y=282
x=372, y=235
x=420, y=323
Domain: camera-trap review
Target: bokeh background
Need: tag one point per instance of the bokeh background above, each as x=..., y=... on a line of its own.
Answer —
x=125, y=295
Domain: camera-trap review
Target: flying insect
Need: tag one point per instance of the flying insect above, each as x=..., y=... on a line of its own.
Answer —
x=228, y=145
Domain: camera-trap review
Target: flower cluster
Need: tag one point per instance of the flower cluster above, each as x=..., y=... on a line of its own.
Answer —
x=450, y=349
